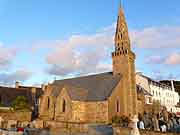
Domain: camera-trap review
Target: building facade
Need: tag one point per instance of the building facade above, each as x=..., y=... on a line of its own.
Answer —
x=96, y=98
x=165, y=94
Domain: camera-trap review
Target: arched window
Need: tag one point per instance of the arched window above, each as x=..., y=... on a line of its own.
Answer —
x=117, y=106
x=48, y=103
x=64, y=106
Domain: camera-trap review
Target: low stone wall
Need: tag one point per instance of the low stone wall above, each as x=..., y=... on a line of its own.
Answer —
x=19, y=116
x=126, y=131
x=66, y=126
x=62, y=126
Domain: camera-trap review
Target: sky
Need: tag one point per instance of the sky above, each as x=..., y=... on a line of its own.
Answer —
x=44, y=40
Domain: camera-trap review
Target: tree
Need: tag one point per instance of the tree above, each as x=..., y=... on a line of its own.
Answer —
x=156, y=106
x=20, y=103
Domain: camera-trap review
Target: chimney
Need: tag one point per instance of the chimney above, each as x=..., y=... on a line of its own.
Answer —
x=17, y=84
x=172, y=85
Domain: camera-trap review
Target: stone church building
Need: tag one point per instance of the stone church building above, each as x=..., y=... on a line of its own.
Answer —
x=96, y=98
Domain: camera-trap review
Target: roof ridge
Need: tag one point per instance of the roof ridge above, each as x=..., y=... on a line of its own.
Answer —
x=83, y=76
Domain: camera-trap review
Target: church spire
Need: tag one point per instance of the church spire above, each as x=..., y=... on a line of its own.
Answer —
x=123, y=62
x=120, y=3
x=122, y=50
x=122, y=41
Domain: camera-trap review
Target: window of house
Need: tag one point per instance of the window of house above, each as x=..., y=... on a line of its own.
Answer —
x=64, y=106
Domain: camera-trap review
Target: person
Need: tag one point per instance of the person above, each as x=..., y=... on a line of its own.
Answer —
x=146, y=120
x=170, y=125
x=179, y=120
x=175, y=125
x=141, y=125
x=155, y=123
x=163, y=128
x=20, y=129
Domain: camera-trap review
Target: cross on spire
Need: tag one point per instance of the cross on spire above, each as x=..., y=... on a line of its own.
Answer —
x=120, y=3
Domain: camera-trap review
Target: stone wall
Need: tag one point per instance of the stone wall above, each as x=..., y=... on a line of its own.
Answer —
x=90, y=111
x=47, y=112
x=19, y=116
x=80, y=111
x=117, y=96
x=126, y=131
x=59, y=114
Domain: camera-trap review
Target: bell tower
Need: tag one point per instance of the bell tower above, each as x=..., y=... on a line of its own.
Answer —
x=123, y=60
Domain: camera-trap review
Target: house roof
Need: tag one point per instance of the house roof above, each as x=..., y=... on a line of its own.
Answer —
x=38, y=93
x=159, y=83
x=142, y=90
x=9, y=94
x=88, y=88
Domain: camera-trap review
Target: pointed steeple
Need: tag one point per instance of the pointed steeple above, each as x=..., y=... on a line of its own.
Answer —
x=122, y=42
x=123, y=62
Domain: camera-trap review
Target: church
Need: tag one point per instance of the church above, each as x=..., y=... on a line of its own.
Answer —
x=99, y=97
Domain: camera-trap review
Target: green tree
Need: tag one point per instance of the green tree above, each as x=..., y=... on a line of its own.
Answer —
x=156, y=106
x=20, y=103
x=1, y=104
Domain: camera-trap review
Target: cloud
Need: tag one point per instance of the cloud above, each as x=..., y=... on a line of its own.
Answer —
x=81, y=54
x=6, y=56
x=156, y=37
x=154, y=60
x=173, y=59
x=19, y=75
x=160, y=75
x=1, y=44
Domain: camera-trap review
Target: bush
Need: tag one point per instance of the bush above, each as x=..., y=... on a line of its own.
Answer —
x=1, y=104
x=116, y=119
x=156, y=106
x=20, y=103
x=123, y=120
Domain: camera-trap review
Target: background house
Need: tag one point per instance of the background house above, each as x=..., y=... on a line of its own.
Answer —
x=165, y=94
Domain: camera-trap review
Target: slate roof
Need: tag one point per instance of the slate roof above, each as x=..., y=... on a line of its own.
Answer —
x=88, y=88
x=39, y=90
x=142, y=90
x=9, y=94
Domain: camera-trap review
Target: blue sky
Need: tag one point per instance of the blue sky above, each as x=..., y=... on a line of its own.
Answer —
x=46, y=39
